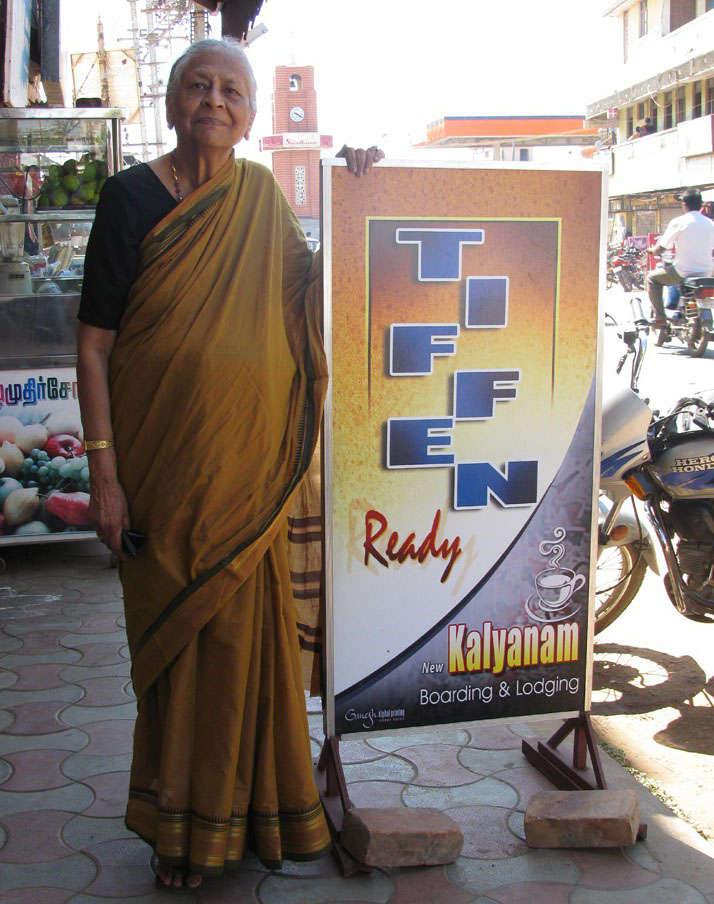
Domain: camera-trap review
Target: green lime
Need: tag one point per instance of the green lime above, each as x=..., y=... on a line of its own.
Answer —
x=70, y=182
x=54, y=172
x=69, y=166
x=89, y=173
x=43, y=200
x=86, y=191
x=59, y=198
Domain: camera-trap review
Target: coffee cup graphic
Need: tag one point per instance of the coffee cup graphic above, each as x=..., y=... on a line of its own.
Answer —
x=555, y=586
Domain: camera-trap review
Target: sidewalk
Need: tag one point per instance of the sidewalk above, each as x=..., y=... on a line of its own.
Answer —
x=66, y=716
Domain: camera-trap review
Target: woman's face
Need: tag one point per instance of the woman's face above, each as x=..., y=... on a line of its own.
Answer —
x=211, y=105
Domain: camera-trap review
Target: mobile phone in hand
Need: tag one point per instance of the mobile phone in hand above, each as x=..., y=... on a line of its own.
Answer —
x=132, y=542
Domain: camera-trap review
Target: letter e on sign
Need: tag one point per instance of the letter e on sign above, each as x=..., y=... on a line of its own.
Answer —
x=412, y=442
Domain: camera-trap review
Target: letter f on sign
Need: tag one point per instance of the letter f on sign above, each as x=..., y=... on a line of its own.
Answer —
x=413, y=347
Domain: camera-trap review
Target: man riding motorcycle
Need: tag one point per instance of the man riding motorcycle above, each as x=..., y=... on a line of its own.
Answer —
x=692, y=236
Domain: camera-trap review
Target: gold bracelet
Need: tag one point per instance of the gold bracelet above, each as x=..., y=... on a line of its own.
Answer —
x=90, y=445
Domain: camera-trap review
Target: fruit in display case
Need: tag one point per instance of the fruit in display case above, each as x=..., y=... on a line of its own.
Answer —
x=72, y=184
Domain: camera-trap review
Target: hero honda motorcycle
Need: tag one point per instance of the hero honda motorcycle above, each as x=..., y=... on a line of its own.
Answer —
x=668, y=463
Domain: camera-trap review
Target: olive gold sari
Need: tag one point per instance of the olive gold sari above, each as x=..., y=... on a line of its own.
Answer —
x=217, y=381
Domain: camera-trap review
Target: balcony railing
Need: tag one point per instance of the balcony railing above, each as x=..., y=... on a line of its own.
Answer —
x=683, y=155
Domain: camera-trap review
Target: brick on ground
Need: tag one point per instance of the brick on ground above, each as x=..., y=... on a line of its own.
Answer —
x=582, y=819
x=398, y=836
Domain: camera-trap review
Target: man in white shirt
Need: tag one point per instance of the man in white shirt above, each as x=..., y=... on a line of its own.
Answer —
x=692, y=236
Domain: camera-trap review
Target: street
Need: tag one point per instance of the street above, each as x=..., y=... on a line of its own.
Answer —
x=653, y=688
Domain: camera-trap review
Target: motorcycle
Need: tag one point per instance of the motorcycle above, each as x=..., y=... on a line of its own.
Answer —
x=692, y=321
x=667, y=463
x=625, y=265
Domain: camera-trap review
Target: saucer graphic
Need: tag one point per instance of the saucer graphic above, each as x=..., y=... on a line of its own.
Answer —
x=536, y=610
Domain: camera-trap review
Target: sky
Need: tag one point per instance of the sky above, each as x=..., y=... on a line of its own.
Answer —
x=385, y=70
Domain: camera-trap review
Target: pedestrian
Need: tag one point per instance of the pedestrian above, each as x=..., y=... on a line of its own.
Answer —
x=648, y=127
x=201, y=378
x=692, y=237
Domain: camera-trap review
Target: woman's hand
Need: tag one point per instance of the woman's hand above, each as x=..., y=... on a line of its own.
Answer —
x=360, y=160
x=108, y=509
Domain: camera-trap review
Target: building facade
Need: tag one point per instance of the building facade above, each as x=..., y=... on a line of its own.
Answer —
x=513, y=138
x=666, y=76
x=296, y=143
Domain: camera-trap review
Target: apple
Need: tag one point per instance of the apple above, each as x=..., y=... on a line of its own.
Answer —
x=64, y=444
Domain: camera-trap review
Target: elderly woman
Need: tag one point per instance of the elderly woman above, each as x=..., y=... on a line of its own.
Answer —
x=201, y=379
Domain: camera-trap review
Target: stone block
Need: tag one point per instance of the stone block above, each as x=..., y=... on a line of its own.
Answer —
x=401, y=836
x=582, y=819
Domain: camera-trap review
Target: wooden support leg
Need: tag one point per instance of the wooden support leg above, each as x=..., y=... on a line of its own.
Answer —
x=331, y=784
x=547, y=759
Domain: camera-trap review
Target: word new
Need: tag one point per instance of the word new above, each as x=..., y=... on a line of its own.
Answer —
x=424, y=442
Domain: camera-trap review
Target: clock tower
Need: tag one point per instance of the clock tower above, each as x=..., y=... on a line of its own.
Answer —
x=296, y=143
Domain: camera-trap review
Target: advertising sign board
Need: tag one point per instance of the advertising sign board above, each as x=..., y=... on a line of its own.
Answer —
x=460, y=436
x=44, y=472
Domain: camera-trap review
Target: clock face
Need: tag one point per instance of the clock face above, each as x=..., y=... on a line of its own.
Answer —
x=297, y=114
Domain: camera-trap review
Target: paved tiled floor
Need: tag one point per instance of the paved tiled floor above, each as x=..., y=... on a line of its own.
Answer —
x=66, y=716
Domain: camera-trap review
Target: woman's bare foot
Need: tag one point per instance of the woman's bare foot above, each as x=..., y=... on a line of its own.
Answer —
x=173, y=877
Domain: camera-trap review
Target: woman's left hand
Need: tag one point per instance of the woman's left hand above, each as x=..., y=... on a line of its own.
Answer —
x=360, y=160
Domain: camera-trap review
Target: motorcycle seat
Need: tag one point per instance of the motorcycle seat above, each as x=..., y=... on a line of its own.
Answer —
x=699, y=282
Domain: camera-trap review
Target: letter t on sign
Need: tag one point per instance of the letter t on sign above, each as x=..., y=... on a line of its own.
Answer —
x=439, y=257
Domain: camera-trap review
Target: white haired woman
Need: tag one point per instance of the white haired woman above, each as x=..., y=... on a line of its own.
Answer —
x=201, y=377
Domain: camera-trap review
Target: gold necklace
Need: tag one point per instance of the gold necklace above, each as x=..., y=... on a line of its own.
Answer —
x=179, y=193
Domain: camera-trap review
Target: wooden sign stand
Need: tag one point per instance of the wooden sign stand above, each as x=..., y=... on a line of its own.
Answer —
x=332, y=787
x=565, y=776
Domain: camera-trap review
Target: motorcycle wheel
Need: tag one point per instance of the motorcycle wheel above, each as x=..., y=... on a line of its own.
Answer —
x=662, y=337
x=696, y=342
x=618, y=576
x=625, y=280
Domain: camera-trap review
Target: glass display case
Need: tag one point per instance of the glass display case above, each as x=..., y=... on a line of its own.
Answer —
x=53, y=163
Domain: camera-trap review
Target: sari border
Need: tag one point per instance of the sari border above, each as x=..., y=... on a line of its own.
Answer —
x=170, y=228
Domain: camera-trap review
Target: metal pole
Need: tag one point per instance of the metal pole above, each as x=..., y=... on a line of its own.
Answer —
x=137, y=53
x=102, y=63
x=199, y=23
x=154, y=70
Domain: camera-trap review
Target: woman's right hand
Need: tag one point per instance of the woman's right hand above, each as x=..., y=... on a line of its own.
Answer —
x=108, y=508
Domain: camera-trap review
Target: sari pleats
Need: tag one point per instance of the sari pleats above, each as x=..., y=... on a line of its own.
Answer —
x=221, y=746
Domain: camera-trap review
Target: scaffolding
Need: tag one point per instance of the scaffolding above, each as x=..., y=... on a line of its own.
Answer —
x=158, y=29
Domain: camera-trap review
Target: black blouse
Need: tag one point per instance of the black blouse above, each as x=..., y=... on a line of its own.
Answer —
x=130, y=205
